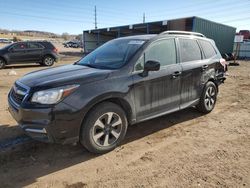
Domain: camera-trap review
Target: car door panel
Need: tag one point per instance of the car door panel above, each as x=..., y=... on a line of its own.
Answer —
x=159, y=91
x=193, y=71
x=18, y=53
x=192, y=81
x=34, y=52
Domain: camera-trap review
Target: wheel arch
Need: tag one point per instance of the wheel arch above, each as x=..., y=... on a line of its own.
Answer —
x=214, y=81
x=2, y=57
x=48, y=54
x=116, y=99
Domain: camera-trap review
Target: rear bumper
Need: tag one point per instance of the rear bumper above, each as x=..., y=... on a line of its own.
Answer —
x=220, y=78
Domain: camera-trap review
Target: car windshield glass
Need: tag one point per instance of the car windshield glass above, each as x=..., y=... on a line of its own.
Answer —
x=112, y=55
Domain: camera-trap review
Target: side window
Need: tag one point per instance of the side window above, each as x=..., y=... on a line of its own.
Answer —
x=189, y=50
x=33, y=45
x=19, y=46
x=163, y=51
x=208, y=49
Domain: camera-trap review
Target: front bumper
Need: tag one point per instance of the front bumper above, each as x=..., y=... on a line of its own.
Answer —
x=44, y=125
x=35, y=123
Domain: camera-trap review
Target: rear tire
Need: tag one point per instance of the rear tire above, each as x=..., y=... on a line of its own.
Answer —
x=2, y=63
x=48, y=61
x=104, y=128
x=208, y=98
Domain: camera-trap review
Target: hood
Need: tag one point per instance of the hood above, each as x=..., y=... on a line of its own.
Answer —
x=62, y=75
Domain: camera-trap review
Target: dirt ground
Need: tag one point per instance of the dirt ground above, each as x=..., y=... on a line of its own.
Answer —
x=183, y=149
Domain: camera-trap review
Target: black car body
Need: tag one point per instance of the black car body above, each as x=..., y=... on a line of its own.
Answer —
x=141, y=87
x=42, y=52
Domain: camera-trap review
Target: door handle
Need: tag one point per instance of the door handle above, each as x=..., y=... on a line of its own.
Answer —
x=204, y=67
x=176, y=74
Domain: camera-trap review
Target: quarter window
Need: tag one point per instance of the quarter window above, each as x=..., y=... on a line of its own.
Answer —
x=208, y=49
x=190, y=50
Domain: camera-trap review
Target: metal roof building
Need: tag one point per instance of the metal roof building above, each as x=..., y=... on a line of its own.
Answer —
x=222, y=34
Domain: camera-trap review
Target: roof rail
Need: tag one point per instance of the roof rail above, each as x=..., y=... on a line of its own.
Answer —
x=182, y=33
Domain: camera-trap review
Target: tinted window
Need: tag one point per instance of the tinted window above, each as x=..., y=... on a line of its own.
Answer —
x=35, y=45
x=208, y=49
x=190, y=50
x=19, y=46
x=162, y=51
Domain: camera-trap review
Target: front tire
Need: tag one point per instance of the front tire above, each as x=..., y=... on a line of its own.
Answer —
x=48, y=61
x=104, y=128
x=208, y=98
x=2, y=63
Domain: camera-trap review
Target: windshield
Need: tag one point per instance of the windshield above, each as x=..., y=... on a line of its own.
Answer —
x=113, y=54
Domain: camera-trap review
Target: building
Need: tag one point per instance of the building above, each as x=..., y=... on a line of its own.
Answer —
x=222, y=34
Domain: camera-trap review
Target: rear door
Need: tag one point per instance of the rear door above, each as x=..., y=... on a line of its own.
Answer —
x=193, y=71
x=34, y=52
x=159, y=92
x=17, y=53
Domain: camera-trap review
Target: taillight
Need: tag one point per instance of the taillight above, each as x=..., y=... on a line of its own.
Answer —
x=55, y=50
x=224, y=63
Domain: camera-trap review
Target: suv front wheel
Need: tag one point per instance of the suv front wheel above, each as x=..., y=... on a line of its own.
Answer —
x=208, y=98
x=104, y=128
x=48, y=61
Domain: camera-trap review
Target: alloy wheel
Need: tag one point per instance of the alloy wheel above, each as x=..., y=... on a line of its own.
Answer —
x=210, y=97
x=48, y=61
x=107, y=129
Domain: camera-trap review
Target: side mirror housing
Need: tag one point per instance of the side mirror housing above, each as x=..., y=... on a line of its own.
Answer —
x=150, y=66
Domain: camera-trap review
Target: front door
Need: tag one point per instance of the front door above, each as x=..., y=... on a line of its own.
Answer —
x=159, y=91
x=18, y=53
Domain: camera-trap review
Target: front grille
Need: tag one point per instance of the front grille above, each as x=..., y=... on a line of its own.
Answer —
x=18, y=93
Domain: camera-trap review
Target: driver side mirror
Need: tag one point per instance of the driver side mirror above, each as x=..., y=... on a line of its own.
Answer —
x=150, y=66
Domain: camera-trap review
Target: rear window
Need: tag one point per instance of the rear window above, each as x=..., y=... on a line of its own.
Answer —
x=190, y=50
x=208, y=49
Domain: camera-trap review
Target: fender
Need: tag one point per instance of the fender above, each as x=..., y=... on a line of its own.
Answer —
x=121, y=99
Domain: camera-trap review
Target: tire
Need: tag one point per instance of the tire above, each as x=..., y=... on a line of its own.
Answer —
x=104, y=128
x=2, y=63
x=208, y=98
x=48, y=61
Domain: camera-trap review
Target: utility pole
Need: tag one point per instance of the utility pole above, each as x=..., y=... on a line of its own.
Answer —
x=95, y=19
x=144, y=17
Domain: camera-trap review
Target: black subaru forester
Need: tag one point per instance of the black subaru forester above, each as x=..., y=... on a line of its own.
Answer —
x=123, y=82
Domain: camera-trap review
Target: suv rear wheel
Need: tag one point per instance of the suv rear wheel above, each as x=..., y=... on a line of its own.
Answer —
x=48, y=61
x=2, y=63
x=104, y=128
x=208, y=98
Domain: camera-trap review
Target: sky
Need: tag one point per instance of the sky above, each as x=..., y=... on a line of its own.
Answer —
x=74, y=16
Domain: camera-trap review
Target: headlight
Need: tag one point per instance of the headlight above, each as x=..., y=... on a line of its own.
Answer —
x=52, y=96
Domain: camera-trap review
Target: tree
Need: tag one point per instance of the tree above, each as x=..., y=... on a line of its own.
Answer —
x=65, y=36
